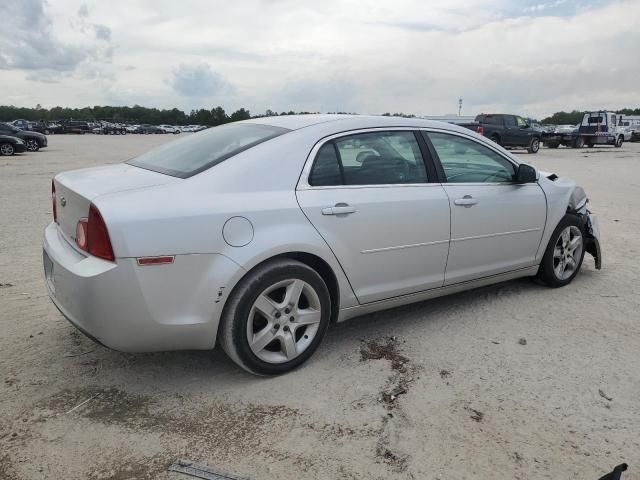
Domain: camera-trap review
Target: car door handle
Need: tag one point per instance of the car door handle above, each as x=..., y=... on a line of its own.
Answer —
x=339, y=209
x=466, y=201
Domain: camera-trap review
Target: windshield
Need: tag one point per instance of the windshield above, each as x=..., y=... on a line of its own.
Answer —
x=198, y=152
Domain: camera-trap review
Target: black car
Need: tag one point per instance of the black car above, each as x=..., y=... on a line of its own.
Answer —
x=10, y=145
x=146, y=129
x=507, y=130
x=34, y=140
x=76, y=126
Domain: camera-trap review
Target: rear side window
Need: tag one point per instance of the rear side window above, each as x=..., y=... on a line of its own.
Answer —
x=377, y=158
x=326, y=169
x=198, y=152
x=510, y=121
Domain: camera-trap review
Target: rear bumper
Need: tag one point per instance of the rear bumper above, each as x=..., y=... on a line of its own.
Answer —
x=137, y=309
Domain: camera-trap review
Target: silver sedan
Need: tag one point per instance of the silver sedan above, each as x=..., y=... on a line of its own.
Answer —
x=259, y=234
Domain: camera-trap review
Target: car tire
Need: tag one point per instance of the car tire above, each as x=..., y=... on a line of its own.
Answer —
x=578, y=143
x=495, y=139
x=6, y=149
x=32, y=145
x=555, y=269
x=534, y=145
x=280, y=341
x=619, y=141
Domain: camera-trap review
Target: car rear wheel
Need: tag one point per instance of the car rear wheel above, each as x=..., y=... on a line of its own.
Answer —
x=495, y=139
x=276, y=317
x=563, y=258
x=534, y=145
x=32, y=145
x=6, y=149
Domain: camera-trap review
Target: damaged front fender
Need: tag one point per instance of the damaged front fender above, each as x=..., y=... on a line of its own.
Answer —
x=592, y=240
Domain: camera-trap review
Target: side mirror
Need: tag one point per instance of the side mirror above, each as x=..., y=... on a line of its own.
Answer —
x=526, y=174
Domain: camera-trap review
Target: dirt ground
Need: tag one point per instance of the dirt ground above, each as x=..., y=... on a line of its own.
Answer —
x=510, y=381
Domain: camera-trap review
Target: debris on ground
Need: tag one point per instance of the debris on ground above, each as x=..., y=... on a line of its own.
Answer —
x=377, y=350
x=6, y=285
x=390, y=397
x=476, y=415
x=202, y=471
x=444, y=374
x=522, y=341
x=604, y=395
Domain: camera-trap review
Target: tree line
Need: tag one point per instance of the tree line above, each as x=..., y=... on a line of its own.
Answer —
x=575, y=116
x=216, y=116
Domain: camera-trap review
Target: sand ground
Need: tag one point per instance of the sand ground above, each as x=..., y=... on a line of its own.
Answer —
x=479, y=404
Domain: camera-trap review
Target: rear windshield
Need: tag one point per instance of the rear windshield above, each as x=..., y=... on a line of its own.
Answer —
x=202, y=150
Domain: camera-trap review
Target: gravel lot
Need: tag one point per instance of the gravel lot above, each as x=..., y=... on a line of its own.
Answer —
x=510, y=381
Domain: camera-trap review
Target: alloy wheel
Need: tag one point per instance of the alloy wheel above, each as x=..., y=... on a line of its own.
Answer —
x=283, y=321
x=32, y=145
x=6, y=149
x=567, y=252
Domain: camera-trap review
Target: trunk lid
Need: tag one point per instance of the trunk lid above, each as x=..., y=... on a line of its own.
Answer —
x=75, y=190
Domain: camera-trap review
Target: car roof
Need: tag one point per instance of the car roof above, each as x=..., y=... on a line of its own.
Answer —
x=340, y=122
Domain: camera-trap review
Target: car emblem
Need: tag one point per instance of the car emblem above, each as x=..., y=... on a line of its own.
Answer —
x=63, y=201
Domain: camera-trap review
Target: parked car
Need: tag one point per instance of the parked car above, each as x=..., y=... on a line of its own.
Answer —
x=108, y=128
x=507, y=131
x=34, y=140
x=147, y=129
x=10, y=145
x=170, y=129
x=76, y=126
x=261, y=233
x=566, y=135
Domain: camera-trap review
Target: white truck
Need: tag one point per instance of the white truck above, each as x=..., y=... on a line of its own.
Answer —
x=601, y=128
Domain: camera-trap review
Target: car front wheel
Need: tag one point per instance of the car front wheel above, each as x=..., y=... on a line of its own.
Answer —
x=534, y=145
x=276, y=317
x=564, y=254
x=6, y=149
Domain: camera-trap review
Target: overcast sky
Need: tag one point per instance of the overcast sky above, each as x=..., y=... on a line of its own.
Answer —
x=531, y=57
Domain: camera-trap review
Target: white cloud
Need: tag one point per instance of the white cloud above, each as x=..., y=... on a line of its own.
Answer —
x=531, y=57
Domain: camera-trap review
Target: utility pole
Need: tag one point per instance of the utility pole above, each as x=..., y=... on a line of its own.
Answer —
x=459, y=106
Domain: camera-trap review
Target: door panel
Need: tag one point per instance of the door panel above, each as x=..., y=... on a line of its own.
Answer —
x=390, y=240
x=500, y=232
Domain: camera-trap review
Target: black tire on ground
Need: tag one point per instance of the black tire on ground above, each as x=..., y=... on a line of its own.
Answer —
x=495, y=139
x=578, y=143
x=619, y=141
x=547, y=273
x=534, y=145
x=7, y=149
x=232, y=334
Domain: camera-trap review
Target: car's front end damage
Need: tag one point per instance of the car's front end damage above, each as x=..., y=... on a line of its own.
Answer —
x=578, y=205
x=564, y=196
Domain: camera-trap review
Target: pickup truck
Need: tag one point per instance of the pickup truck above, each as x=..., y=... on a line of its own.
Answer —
x=507, y=130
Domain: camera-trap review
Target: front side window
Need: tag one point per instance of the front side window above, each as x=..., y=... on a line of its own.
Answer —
x=467, y=161
x=521, y=122
x=196, y=153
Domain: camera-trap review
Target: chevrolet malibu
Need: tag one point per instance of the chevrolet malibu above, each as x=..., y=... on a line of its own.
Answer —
x=259, y=234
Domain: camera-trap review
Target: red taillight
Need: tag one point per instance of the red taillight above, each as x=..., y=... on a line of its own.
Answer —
x=164, y=260
x=92, y=235
x=53, y=201
x=480, y=130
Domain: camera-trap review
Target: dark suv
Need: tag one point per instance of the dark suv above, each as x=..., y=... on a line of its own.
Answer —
x=34, y=140
x=507, y=130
